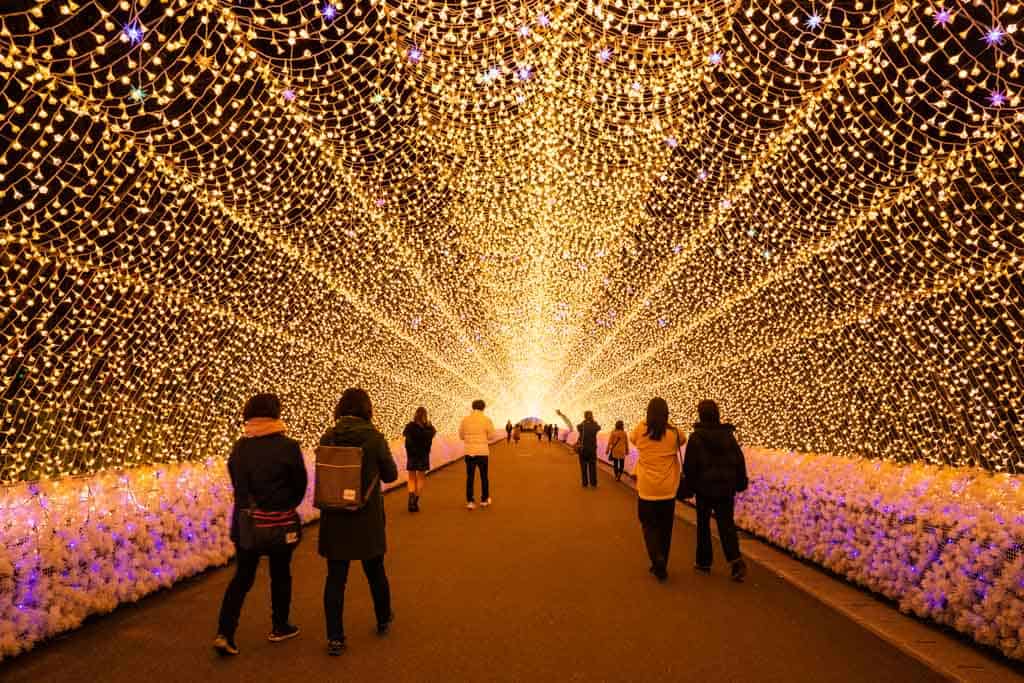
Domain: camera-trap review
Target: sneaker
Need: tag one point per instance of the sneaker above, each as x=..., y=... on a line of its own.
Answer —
x=739, y=570
x=384, y=627
x=283, y=633
x=470, y=505
x=485, y=503
x=224, y=645
x=701, y=569
x=661, y=575
x=335, y=647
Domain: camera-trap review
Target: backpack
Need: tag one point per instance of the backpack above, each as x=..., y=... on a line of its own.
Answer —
x=339, y=479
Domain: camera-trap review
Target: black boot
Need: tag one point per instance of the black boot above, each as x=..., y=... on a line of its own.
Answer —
x=412, y=502
x=416, y=502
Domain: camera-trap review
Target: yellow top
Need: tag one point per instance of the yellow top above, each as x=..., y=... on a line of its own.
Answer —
x=657, y=465
x=618, y=444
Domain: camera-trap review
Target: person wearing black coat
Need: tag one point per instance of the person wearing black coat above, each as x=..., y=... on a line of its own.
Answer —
x=267, y=472
x=419, y=436
x=357, y=535
x=715, y=471
x=588, y=430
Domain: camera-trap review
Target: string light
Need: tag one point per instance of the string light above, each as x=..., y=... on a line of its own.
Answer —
x=822, y=232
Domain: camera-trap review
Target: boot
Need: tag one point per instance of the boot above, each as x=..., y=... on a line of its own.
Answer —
x=739, y=570
x=416, y=502
x=412, y=502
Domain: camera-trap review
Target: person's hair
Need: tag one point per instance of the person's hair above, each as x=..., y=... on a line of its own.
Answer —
x=657, y=418
x=420, y=417
x=262, y=405
x=588, y=415
x=479, y=404
x=619, y=424
x=707, y=411
x=354, y=402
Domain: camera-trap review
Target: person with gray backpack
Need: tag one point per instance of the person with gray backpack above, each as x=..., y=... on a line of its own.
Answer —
x=352, y=463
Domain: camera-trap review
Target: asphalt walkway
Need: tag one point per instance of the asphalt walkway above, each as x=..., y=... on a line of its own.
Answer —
x=549, y=584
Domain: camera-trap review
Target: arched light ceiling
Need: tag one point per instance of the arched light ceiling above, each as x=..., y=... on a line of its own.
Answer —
x=809, y=211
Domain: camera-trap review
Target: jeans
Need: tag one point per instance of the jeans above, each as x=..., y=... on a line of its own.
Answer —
x=657, y=518
x=246, y=563
x=472, y=463
x=334, y=594
x=619, y=465
x=588, y=469
x=723, y=511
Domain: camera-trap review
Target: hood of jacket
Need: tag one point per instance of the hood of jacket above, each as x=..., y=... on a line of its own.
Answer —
x=350, y=431
x=717, y=434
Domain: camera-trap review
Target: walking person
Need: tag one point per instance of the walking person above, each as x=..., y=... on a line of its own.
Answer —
x=657, y=443
x=419, y=436
x=508, y=432
x=516, y=432
x=588, y=430
x=618, y=449
x=347, y=535
x=267, y=473
x=540, y=435
x=716, y=471
x=475, y=430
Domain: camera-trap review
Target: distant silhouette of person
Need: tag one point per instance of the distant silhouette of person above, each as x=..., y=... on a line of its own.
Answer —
x=540, y=435
x=347, y=535
x=657, y=443
x=508, y=432
x=516, y=433
x=618, y=449
x=419, y=436
x=716, y=471
x=475, y=431
x=267, y=469
x=588, y=430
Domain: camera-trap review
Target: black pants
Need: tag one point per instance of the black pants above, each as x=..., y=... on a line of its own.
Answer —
x=508, y=437
x=588, y=469
x=472, y=463
x=723, y=511
x=334, y=594
x=246, y=563
x=657, y=518
x=619, y=465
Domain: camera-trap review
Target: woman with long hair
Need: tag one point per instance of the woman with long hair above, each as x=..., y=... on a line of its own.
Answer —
x=657, y=443
x=419, y=435
x=618, y=448
x=347, y=535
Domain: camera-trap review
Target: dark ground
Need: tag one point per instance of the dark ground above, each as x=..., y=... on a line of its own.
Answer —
x=548, y=584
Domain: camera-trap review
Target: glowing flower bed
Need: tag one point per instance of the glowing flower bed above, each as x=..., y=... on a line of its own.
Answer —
x=82, y=546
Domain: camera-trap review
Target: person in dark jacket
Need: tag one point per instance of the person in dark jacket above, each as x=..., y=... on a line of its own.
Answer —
x=268, y=472
x=588, y=430
x=508, y=432
x=346, y=535
x=419, y=436
x=715, y=471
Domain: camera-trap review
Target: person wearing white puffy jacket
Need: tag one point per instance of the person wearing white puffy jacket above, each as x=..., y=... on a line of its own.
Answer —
x=475, y=432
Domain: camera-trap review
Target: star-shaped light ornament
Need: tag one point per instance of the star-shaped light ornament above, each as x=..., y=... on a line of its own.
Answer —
x=702, y=174
x=328, y=12
x=715, y=58
x=288, y=94
x=137, y=93
x=203, y=61
x=605, y=55
x=672, y=142
x=997, y=98
x=543, y=20
x=377, y=97
x=524, y=72
x=133, y=32
x=524, y=31
x=493, y=74
x=415, y=54
x=813, y=21
x=995, y=36
x=942, y=16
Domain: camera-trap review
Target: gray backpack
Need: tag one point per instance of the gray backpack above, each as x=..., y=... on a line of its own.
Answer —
x=339, y=479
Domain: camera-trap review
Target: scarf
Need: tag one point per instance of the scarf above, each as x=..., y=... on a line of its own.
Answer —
x=262, y=426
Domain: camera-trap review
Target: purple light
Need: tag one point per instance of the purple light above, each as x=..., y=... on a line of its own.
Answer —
x=415, y=55
x=543, y=20
x=524, y=31
x=329, y=12
x=994, y=36
x=379, y=203
x=715, y=58
x=133, y=31
x=997, y=98
x=524, y=72
x=702, y=174
x=671, y=141
x=942, y=16
x=605, y=54
x=288, y=95
x=813, y=21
